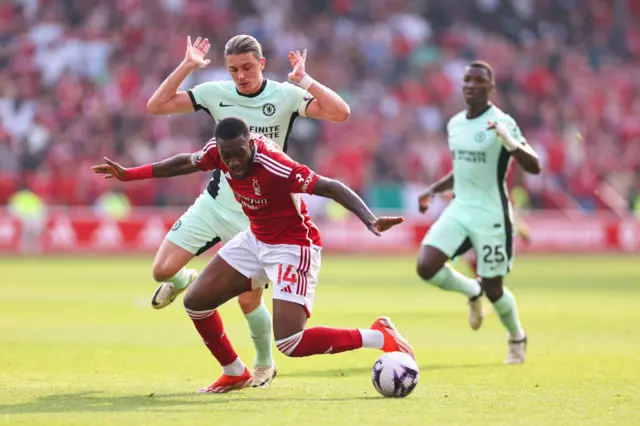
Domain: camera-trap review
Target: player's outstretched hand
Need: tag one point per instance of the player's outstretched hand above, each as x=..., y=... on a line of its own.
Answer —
x=297, y=62
x=195, y=53
x=110, y=170
x=424, y=200
x=385, y=223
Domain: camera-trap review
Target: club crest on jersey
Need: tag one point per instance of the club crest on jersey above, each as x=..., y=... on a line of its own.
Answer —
x=268, y=110
x=480, y=136
x=256, y=188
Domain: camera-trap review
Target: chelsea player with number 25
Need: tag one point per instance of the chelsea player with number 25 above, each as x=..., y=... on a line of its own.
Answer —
x=483, y=141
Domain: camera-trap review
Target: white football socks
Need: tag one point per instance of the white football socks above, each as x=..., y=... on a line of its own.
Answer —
x=372, y=338
x=236, y=368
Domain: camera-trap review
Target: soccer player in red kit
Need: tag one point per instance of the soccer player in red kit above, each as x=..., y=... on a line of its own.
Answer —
x=282, y=245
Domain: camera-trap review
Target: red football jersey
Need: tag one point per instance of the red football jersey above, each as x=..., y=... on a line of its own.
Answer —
x=270, y=195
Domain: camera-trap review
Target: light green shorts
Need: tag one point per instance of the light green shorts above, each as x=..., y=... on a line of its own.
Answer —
x=461, y=228
x=205, y=224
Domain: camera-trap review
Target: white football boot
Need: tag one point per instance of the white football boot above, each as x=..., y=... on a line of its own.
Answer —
x=263, y=376
x=517, y=351
x=166, y=292
x=476, y=314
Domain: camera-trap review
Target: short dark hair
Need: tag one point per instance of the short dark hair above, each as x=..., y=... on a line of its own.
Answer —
x=231, y=128
x=243, y=44
x=484, y=65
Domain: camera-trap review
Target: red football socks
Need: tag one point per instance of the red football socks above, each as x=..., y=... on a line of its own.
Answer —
x=209, y=325
x=320, y=340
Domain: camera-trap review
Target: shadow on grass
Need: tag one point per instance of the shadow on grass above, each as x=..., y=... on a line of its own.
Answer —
x=94, y=401
x=163, y=403
x=347, y=372
x=98, y=402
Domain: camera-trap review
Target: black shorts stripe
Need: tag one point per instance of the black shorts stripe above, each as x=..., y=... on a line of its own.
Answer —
x=503, y=166
x=214, y=184
x=464, y=247
x=207, y=246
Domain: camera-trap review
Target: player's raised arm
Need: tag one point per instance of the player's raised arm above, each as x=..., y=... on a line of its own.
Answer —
x=327, y=105
x=167, y=99
x=181, y=164
x=344, y=196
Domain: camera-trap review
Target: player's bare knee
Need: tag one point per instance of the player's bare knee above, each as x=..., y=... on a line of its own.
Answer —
x=194, y=303
x=492, y=288
x=281, y=331
x=430, y=261
x=162, y=271
x=160, y=276
x=249, y=301
x=426, y=270
x=190, y=303
x=289, y=318
x=289, y=321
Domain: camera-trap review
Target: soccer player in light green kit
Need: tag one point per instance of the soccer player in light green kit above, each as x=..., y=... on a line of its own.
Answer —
x=270, y=108
x=483, y=141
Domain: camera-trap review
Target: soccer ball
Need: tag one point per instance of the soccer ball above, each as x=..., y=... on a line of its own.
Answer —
x=395, y=375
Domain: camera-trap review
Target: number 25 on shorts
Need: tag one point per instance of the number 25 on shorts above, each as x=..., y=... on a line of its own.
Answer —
x=493, y=254
x=286, y=275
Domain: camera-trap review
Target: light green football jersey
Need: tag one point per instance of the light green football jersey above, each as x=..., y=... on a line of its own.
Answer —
x=271, y=112
x=480, y=162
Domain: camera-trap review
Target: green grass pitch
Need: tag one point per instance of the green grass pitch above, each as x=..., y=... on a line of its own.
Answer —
x=80, y=345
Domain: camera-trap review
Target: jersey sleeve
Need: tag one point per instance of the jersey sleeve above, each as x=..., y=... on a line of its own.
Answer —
x=514, y=130
x=207, y=158
x=297, y=98
x=295, y=177
x=203, y=96
x=302, y=179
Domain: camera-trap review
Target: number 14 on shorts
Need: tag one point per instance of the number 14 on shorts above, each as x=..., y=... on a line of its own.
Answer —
x=286, y=275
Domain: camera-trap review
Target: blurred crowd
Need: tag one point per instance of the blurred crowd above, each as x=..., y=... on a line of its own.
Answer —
x=75, y=76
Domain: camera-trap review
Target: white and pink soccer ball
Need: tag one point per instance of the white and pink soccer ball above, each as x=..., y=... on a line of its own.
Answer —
x=395, y=375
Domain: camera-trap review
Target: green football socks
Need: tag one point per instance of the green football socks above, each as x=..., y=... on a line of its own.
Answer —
x=449, y=279
x=508, y=312
x=181, y=279
x=260, y=326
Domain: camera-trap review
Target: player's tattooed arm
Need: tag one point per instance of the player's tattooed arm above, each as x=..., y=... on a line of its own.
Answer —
x=174, y=166
x=444, y=184
x=348, y=199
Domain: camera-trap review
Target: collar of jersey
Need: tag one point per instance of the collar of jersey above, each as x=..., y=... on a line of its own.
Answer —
x=483, y=113
x=258, y=93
